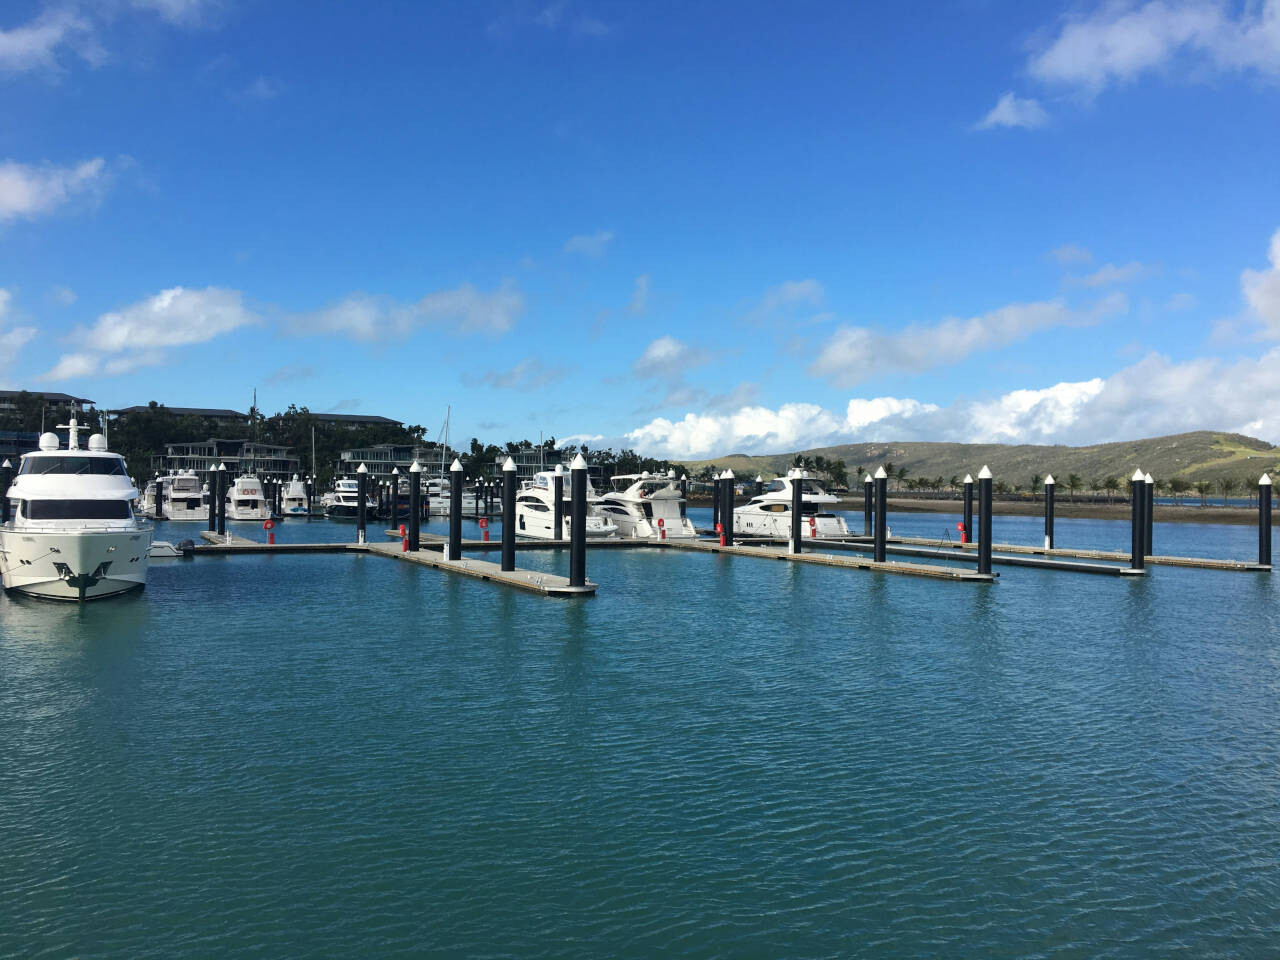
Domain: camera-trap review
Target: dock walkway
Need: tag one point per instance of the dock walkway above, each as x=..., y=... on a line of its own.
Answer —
x=1202, y=563
x=831, y=560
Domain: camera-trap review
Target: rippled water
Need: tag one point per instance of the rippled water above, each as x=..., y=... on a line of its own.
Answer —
x=715, y=756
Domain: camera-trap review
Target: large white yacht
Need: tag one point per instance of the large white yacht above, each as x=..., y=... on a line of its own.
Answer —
x=645, y=505
x=293, y=499
x=436, y=490
x=245, y=500
x=183, y=497
x=535, y=510
x=74, y=535
x=345, y=500
x=769, y=514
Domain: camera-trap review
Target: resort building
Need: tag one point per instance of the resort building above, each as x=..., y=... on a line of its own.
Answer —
x=381, y=458
x=266, y=460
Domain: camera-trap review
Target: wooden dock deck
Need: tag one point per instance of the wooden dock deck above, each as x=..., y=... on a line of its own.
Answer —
x=534, y=581
x=831, y=560
x=1202, y=563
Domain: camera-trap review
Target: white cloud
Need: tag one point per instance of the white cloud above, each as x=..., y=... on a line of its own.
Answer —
x=14, y=339
x=71, y=366
x=639, y=297
x=864, y=413
x=1119, y=41
x=528, y=375
x=462, y=310
x=749, y=430
x=1110, y=275
x=589, y=244
x=183, y=12
x=1014, y=111
x=1181, y=301
x=855, y=354
x=1071, y=253
x=62, y=296
x=134, y=361
x=784, y=297
x=172, y=318
x=34, y=45
x=668, y=358
x=1262, y=289
x=27, y=191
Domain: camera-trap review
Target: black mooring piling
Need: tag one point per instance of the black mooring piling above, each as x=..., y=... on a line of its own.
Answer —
x=6, y=478
x=362, y=493
x=968, y=509
x=393, y=495
x=758, y=486
x=1137, y=533
x=578, y=523
x=984, y=520
x=684, y=493
x=715, y=503
x=1264, y=520
x=455, y=511
x=797, y=501
x=726, y=511
x=212, y=493
x=868, y=511
x=222, y=499
x=557, y=508
x=509, y=513
x=882, y=515
x=415, y=506
x=1049, y=487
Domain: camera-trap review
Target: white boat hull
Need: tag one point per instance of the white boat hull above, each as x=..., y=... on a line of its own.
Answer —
x=749, y=523
x=81, y=565
x=538, y=526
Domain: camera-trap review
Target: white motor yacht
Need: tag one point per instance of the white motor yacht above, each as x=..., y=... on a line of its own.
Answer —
x=293, y=500
x=436, y=491
x=345, y=502
x=769, y=514
x=74, y=535
x=182, y=497
x=535, y=510
x=245, y=500
x=646, y=506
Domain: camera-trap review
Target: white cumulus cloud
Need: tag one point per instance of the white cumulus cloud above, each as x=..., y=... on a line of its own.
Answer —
x=668, y=358
x=1014, y=111
x=748, y=430
x=1262, y=289
x=1120, y=41
x=855, y=354
x=462, y=310
x=30, y=191
x=35, y=44
x=589, y=244
x=862, y=414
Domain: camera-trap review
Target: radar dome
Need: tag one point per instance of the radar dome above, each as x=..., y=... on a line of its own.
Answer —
x=48, y=441
x=97, y=443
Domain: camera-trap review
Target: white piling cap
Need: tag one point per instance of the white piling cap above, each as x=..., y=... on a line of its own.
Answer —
x=559, y=468
x=759, y=479
x=579, y=463
x=968, y=478
x=1138, y=477
x=456, y=466
x=1149, y=479
x=984, y=473
x=684, y=476
x=509, y=465
x=1263, y=481
x=867, y=479
x=7, y=465
x=671, y=474
x=222, y=466
x=1048, y=481
x=395, y=471
x=415, y=467
x=362, y=469
x=880, y=474
x=727, y=475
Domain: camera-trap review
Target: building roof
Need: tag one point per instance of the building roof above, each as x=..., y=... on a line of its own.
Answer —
x=355, y=418
x=55, y=397
x=187, y=411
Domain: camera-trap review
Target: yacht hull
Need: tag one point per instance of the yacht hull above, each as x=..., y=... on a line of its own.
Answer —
x=538, y=526
x=778, y=526
x=76, y=566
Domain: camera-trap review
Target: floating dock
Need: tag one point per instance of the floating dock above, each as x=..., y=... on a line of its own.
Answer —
x=830, y=560
x=1202, y=563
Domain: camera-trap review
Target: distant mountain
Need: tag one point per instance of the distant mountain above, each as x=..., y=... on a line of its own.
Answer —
x=1202, y=455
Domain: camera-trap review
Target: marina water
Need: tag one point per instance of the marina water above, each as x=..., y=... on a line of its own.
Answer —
x=336, y=755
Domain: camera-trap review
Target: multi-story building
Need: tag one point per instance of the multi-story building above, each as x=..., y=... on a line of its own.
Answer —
x=14, y=443
x=55, y=404
x=381, y=458
x=353, y=421
x=267, y=460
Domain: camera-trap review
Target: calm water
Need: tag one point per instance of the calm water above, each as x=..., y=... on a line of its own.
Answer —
x=715, y=756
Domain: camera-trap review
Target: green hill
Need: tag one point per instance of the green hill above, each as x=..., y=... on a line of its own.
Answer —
x=1202, y=455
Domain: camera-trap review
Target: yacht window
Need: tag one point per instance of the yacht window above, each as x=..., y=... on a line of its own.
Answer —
x=538, y=507
x=85, y=466
x=775, y=486
x=76, y=509
x=775, y=508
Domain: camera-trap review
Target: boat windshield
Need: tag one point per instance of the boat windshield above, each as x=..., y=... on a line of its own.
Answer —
x=75, y=509
x=83, y=466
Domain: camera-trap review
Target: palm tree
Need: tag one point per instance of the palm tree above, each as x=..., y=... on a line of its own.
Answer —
x=1178, y=486
x=1096, y=485
x=954, y=483
x=1228, y=486
x=901, y=475
x=1111, y=485
x=1203, y=487
x=1036, y=481
x=1074, y=483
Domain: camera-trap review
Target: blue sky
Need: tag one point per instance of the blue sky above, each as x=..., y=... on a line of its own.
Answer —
x=690, y=229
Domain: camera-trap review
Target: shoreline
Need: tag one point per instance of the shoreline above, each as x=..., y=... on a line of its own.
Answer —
x=1062, y=507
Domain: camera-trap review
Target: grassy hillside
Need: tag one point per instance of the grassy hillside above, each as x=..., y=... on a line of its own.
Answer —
x=1202, y=455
